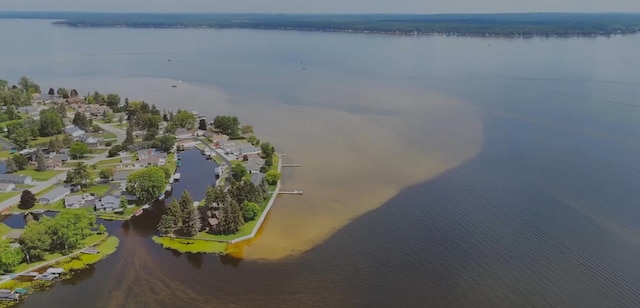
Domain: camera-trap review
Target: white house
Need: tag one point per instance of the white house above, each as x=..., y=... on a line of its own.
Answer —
x=15, y=179
x=74, y=131
x=182, y=133
x=54, y=195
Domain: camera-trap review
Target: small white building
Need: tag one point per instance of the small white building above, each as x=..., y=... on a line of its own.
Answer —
x=74, y=131
x=7, y=187
x=54, y=195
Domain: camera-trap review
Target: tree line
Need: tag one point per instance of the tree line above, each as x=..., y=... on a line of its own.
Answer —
x=61, y=234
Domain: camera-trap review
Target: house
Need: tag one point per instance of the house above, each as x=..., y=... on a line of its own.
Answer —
x=74, y=131
x=256, y=178
x=96, y=111
x=54, y=195
x=248, y=149
x=8, y=295
x=126, y=160
x=156, y=160
x=121, y=175
x=54, y=163
x=89, y=141
x=15, y=179
x=218, y=138
x=254, y=165
x=108, y=204
x=146, y=153
x=138, y=134
x=31, y=111
x=6, y=187
x=73, y=202
x=61, y=157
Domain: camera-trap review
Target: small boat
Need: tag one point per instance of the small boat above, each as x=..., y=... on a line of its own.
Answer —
x=174, y=86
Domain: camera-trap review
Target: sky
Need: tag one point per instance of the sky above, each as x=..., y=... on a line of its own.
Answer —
x=324, y=6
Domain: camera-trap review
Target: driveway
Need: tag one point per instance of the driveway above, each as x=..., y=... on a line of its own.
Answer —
x=40, y=186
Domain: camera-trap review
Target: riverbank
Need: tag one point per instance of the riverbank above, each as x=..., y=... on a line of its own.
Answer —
x=188, y=245
x=77, y=260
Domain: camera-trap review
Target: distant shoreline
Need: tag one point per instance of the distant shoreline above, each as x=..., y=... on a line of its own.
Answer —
x=512, y=25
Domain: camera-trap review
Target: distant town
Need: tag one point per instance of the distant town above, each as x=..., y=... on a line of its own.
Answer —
x=68, y=159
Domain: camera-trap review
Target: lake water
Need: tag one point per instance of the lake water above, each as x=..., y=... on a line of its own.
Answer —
x=440, y=172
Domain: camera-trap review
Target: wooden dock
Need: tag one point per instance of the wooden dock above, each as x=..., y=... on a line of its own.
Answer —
x=295, y=192
x=291, y=165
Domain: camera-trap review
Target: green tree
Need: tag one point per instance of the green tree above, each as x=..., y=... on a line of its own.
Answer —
x=227, y=125
x=215, y=196
x=68, y=229
x=4, y=85
x=170, y=220
x=232, y=218
x=250, y=211
x=253, y=140
x=114, y=150
x=80, y=120
x=20, y=161
x=190, y=217
x=147, y=184
x=12, y=113
x=64, y=93
x=165, y=143
x=51, y=92
x=112, y=101
x=9, y=257
x=19, y=134
x=28, y=85
x=79, y=150
x=124, y=203
x=27, y=200
x=167, y=172
x=53, y=146
x=79, y=175
x=41, y=162
x=107, y=173
x=238, y=171
x=50, y=123
x=202, y=124
x=35, y=241
x=246, y=129
x=10, y=166
x=267, y=150
x=121, y=119
x=67, y=141
x=272, y=177
x=184, y=119
x=102, y=229
x=128, y=140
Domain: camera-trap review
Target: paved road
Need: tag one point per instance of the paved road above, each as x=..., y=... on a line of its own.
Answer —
x=40, y=186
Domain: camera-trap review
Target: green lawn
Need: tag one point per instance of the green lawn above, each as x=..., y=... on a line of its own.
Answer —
x=50, y=256
x=115, y=216
x=40, y=176
x=110, y=161
x=191, y=246
x=99, y=151
x=98, y=190
x=4, y=229
x=171, y=163
x=218, y=159
x=122, y=126
x=6, y=195
x=105, y=248
x=45, y=140
x=105, y=135
x=5, y=154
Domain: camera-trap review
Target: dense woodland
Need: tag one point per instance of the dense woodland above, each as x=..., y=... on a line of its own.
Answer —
x=509, y=25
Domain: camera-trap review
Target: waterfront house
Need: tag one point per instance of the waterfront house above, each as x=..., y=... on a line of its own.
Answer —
x=96, y=111
x=146, y=153
x=182, y=133
x=8, y=295
x=248, y=149
x=90, y=141
x=15, y=179
x=121, y=175
x=218, y=138
x=254, y=165
x=6, y=187
x=108, y=204
x=73, y=202
x=54, y=163
x=59, y=156
x=54, y=195
x=74, y=131
x=151, y=161
x=257, y=178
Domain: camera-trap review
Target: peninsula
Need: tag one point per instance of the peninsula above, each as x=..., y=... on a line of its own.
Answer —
x=481, y=25
x=69, y=160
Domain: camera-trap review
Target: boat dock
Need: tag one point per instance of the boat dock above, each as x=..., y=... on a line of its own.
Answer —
x=176, y=177
x=295, y=192
x=291, y=165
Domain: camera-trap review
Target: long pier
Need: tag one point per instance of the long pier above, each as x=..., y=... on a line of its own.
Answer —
x=291, y=165
x=295, y=192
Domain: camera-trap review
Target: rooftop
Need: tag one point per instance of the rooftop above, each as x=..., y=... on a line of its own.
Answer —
x=56, y=193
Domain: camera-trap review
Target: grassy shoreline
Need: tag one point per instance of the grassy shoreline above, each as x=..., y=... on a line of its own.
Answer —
x=107, y=246
x=190, y=245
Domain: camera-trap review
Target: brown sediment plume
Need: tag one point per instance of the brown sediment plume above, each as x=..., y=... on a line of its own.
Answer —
x=359, y=147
